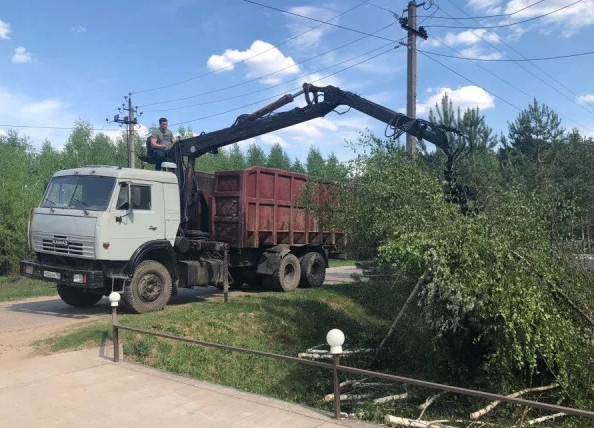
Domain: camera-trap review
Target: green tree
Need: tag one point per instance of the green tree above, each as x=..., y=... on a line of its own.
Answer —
x=278, y=158
x=297, y=166
x=315, y=162
x=534, y=132
x=236, y=158
x=256, y=156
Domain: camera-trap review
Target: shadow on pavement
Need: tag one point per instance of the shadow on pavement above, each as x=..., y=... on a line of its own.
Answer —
x=58, y=308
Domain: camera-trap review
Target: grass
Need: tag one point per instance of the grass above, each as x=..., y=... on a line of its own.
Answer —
x=18, y=287
x=339, y=263
x=289, y=323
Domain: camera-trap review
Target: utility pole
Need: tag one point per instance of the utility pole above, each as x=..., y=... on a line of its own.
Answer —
x=131, y=121
x=410, y=25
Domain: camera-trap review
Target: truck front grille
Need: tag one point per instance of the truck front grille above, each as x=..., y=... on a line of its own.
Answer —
x=64, y=245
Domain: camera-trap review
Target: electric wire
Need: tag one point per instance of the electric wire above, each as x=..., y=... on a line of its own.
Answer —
x=485, y=27
x=264, y=75
x=533, y=64
x=247, y=59
x=269, y=87
x=281, y=94
x=318, y=20
x=509, y=59
x=501, y=15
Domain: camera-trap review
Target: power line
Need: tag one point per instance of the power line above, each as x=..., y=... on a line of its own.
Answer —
x=509, y=59
x=252, y=57
x=524, y=68
x=493, y=16
x=318, y=20
x=267, y=74
x=485, y=27
x=54, y=127
x=278, y=95
x=270, y=87
x=471, y=81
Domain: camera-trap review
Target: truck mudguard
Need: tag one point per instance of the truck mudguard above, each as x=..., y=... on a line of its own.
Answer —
x=270, y=259
x=163, y=247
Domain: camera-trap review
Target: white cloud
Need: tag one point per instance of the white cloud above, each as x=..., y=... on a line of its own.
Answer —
x=260, y=59
x=490, y=5
x=21, y=55
x=22, y=110
x=4, y=30
x=79, y=29
x=313, y=37
x=571, y=19
x=468, y=37
x=584, y=99
x=475, y=52
x=463, y=97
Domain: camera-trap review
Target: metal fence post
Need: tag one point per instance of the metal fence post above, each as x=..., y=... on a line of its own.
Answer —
x=114, y=298
x=336, y=360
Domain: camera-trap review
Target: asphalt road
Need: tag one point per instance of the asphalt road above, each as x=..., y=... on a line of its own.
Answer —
x=22, y=322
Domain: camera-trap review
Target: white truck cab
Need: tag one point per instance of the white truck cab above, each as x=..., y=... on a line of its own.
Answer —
x=92, y=224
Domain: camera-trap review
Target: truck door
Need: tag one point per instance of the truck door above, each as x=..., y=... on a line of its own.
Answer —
x=146, y=221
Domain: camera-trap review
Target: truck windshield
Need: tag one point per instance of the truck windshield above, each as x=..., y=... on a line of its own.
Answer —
x=80, y=192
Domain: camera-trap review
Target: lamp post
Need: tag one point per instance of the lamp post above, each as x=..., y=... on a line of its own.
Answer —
x=114, y=298
x=335, y=338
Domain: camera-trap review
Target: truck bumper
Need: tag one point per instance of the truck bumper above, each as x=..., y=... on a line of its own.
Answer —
x=82, y=278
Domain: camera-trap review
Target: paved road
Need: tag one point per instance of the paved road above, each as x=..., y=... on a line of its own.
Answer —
x=22, y=322
x=87, y=388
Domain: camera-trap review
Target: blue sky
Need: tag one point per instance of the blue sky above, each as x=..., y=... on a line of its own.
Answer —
x=63, y=60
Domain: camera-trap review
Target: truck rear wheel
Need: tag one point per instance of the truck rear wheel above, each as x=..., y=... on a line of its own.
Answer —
x=287, y=277
x=150, y=288
x=313, y=270
x=77, y=297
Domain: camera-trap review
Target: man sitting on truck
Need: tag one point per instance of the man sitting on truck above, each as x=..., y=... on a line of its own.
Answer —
x=159, y=142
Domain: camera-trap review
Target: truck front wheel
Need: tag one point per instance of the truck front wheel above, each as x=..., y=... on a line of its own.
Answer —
x=313, y=270
x=150, y=288
x=77, y=297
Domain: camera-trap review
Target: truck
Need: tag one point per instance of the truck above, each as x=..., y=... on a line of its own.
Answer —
x=145, y=234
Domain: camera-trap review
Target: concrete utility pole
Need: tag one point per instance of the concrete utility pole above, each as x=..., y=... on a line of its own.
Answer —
x=410, y=25
x=411, y=76
x=131, y=123
x=129, y=120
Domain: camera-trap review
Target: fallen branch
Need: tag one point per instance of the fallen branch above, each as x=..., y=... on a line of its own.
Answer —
x=494, y=404
x=410, y=298
x=428, y=402
x=544, y=418
x=347, y=397
x=389, y=398
x=405, y=422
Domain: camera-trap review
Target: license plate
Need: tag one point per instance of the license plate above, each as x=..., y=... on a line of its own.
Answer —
x=50, y=274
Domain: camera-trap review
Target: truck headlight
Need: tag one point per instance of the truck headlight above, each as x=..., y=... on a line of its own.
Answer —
x=79, y=278
x=28, y=270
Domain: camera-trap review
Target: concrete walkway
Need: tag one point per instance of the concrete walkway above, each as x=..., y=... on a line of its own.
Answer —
x=85, y=388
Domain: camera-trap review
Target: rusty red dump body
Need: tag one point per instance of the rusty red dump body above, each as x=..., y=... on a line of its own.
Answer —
x=260, y=207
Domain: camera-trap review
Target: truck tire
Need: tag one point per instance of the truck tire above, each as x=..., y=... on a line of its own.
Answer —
x=313, y=270
x=77, y=297
x=288, y=275
x=150, y=288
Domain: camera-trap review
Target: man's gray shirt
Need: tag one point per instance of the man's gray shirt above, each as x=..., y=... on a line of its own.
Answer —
x=163, y=137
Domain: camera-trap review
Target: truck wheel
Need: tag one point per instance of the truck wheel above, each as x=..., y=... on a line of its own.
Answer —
x=77, y=297
x=313, y=270
x=150, y=288
x=287, y=277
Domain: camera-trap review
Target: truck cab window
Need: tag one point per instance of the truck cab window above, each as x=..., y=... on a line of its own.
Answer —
x=141, y=198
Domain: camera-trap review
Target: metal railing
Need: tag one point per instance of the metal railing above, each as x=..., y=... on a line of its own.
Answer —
x=337, y=367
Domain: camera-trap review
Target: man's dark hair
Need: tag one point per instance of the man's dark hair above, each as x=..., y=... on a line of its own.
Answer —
x=162, y=120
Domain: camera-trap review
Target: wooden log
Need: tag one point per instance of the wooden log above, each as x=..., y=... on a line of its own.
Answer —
x=396, y=397
x=405, y=422
x=494, y=404
x=544, y=418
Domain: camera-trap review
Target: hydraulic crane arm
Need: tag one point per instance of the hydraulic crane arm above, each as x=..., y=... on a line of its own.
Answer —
x=320, y=102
